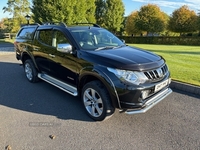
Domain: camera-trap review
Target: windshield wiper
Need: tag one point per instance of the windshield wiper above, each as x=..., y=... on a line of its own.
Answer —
x=105, y=47
x=119, y=46
x=109, y=47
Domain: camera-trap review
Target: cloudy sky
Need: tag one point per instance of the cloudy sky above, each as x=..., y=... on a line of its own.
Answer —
x=168, y=6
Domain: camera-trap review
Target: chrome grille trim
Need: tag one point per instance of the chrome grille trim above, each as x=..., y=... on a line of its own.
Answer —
x=156, y=74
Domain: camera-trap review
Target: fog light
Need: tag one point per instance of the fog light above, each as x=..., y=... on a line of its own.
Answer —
x=145, y=94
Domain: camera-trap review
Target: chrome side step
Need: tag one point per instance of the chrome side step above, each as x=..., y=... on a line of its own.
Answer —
x=59, y=84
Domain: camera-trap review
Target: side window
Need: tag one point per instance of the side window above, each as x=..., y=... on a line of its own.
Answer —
x=26, y=33
x=45, y=36
x=59, y=38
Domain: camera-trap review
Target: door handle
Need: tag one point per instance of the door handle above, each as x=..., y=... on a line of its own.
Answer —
x=51, y=55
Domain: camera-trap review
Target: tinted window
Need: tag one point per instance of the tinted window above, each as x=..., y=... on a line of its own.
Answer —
x=45, y=36
x=26, y=33
x=59, y=38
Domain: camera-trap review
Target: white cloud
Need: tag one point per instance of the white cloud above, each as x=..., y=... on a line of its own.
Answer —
x=193, y=4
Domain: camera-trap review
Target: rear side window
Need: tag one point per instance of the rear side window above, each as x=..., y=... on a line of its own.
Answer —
x=26, y=33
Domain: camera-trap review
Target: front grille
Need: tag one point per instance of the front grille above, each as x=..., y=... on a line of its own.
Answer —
x=157, y=74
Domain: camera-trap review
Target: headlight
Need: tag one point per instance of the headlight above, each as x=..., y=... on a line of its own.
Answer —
x=129, y=76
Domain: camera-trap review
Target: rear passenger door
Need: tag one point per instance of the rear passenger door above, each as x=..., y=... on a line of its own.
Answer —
x=42, y=48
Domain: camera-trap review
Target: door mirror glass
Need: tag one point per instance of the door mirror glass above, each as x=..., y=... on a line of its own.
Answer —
x=64, y=48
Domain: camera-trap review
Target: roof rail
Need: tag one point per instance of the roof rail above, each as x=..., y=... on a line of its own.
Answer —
x=55, y=23
x=94, y=25
x=32, y=24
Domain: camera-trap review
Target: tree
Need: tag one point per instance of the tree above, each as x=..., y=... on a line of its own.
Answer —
x=183, y=20
x=150, y=19
x=110, y=14
x=2, y=26
x=90, y=11
x=130, y=26
x=100, y=11
x=67, y=11
x=166, y=31
x=198, y=23
x=6, y=25
x=18, y=9
x=114, y=15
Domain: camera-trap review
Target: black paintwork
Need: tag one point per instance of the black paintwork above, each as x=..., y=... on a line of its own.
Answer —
x=127, y=58
x=84, y=65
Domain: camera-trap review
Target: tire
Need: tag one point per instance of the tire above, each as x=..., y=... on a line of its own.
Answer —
x=96, y=101
x=30, y=71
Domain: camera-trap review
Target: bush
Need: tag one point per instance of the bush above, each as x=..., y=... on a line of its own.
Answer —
x=7, y=35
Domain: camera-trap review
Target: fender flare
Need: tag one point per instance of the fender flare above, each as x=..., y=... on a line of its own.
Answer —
x=101, y=75
x=27, y=53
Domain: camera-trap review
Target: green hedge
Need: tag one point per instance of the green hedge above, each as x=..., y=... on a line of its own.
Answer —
x=162, y=40
x=7, y=35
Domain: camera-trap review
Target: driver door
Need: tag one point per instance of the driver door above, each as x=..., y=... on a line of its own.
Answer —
x=62, y=66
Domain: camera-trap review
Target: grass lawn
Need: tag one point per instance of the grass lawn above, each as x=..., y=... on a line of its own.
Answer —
x=183, y=61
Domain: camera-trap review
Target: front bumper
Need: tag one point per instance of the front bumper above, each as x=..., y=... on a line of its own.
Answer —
x=150, y=103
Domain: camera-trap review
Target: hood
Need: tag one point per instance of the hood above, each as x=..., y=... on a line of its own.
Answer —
x=127, y=58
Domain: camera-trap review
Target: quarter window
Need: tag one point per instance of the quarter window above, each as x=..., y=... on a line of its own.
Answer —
x=26, y=33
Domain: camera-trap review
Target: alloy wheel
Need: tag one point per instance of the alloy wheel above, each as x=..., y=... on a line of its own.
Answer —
x=28, y=71
x=93, y=102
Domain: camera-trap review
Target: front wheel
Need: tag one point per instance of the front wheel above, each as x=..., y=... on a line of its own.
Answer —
x=96, y=101
x=30, y=71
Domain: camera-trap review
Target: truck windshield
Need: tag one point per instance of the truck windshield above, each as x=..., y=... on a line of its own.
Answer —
x=96, y=39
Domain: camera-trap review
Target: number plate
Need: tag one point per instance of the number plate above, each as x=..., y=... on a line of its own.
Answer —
x=161, y=85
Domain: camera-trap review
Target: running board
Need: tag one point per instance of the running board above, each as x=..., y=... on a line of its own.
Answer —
x=59, y=84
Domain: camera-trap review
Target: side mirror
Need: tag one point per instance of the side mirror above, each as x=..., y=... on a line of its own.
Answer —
x=64, y=48
x=123, y=41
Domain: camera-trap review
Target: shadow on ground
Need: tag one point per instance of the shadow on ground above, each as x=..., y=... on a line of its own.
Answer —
x=42, y=98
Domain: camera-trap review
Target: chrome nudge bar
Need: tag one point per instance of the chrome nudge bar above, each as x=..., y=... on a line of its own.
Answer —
x=151, y=103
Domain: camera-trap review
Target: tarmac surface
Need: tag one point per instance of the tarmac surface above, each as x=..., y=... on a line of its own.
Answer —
x=42, y=117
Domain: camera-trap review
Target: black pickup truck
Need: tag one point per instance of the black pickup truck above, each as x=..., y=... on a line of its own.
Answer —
x=90, y=62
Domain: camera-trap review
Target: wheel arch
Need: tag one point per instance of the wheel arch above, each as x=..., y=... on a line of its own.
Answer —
x=96, y=74
x=26, y=56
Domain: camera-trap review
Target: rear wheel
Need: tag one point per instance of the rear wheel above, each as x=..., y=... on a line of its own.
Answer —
x=96, y=101
x=30, y=71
